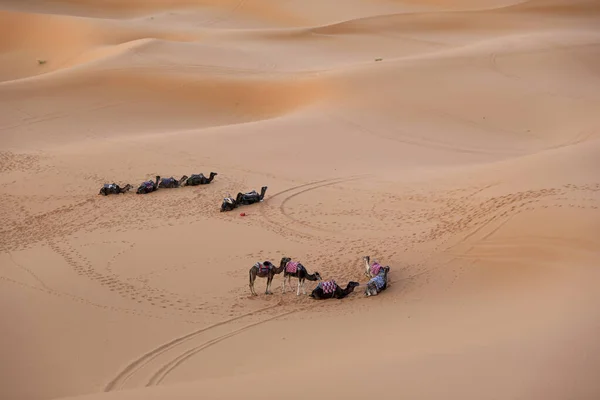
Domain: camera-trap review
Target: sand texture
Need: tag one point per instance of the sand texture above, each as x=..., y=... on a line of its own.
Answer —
x=457, y=142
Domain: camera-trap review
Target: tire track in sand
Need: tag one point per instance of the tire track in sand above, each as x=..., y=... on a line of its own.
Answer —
x=163, y=369
x=285, y=228
x=167, y=368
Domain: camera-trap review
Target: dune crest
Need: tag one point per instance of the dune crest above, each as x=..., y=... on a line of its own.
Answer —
x=457, y=142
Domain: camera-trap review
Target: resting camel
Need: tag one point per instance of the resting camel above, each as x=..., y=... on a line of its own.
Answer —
x=243, y=199
x=200, y=179
x=331, y=290
x=297, y=270
x=266, y=270
x=148, y=186
x=378, y=283
x=169, y=183
x=113, y=188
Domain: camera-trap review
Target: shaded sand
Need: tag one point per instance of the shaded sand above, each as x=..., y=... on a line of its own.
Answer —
x=457, y=142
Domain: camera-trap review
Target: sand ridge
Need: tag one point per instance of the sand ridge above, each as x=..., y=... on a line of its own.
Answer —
x=458, y=143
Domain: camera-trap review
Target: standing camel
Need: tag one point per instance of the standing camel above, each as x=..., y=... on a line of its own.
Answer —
x=266, y=270
x=297, y=270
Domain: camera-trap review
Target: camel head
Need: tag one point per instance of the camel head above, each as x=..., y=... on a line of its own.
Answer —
x=127, y=187
x=285, y=260
x=157, y=180
x=212, y=175
x=351, y=285
x=263, y=190
x=183, y=179
x=318, y=276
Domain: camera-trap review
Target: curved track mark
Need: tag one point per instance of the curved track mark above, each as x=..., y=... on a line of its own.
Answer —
x=309, y=186
x=166, y=369
x=136, y=365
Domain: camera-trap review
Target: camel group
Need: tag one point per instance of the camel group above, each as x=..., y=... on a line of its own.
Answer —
x=163, y=183
x=377, y=274
x=229, y=203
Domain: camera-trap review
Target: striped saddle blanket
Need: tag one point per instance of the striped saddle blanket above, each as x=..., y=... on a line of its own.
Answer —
x=378, y=281
x=291, y=267
x=328, y=286
x=262, y=268
x=375, y=268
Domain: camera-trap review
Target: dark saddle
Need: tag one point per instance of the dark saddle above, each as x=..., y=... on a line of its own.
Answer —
x=148, y=185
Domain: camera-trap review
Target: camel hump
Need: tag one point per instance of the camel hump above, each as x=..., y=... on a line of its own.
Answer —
x=291, y=267
x=263, y=267
x=328, y=286
x=375, y=268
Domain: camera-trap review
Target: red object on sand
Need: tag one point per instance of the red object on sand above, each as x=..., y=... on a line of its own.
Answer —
x=242, y=214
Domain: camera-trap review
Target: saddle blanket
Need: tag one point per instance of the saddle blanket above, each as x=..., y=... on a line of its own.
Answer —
x=328, y=286
x=168, y=181
x=291, y=267
x=262, y=268
x=375, y=268
x=378, y=281
x=148, y=184
x=109, y=186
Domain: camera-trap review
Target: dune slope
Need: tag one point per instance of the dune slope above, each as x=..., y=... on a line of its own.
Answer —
x=457, y=143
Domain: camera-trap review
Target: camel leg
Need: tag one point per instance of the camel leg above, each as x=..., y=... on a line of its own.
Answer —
x=304, y=286
x=367, y=266
x=252, y=278
x=298, y=289
x=269, y=280
x=283, y=287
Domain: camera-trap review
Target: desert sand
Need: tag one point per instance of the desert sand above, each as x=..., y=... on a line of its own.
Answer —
x=456, y=141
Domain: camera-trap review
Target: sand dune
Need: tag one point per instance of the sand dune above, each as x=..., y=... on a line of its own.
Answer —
x=457, y=142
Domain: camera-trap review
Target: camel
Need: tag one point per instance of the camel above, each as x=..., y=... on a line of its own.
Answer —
x=297, y=270
x=113, y=188
x=331, y=290
x=266, y=270
x=169, y=183
x=243, y=199
x=371, y=270
x=378, y=283
x=200, y=179
x=148, y=186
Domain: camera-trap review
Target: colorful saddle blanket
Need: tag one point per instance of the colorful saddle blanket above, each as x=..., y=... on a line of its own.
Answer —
x=375, y=268
x=262, y=268
x=291, y=267
x=110, y=186
x=328, y=286
x=168, y=181
x=378, y=281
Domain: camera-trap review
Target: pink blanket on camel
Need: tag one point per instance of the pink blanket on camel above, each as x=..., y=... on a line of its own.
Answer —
x=375, y=268
x=291, y=267
x=329, y=286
